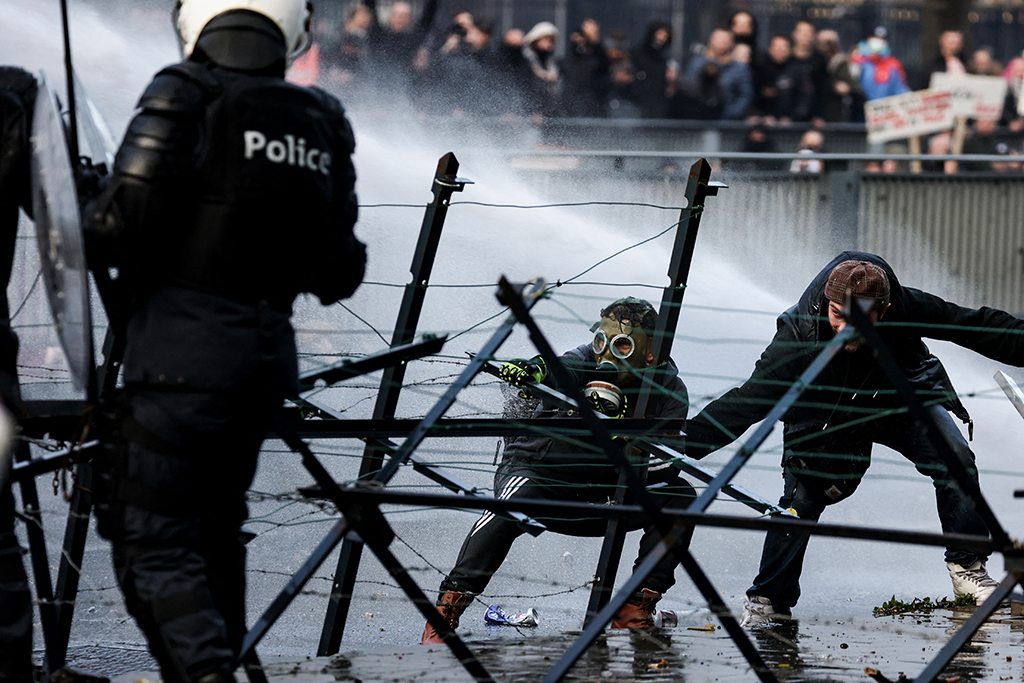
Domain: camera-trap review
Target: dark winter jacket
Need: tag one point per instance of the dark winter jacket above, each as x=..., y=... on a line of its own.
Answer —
x=579, y=459
x=392, y=53
x=853, y=386
x=734, y=80
x=585, y=72
x=650, y=63
x=810, y=92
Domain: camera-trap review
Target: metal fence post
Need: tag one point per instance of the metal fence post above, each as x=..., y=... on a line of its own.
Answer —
x=698, y=188
x=445, y=183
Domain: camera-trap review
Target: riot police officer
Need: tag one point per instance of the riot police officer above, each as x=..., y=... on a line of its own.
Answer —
x=17, y=98
x=232, y=193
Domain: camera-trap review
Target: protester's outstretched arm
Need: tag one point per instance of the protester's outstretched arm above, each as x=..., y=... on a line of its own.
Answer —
x=989, y=331
x=723, y=420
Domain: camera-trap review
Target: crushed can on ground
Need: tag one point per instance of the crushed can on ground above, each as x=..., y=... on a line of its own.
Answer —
x=496, y=615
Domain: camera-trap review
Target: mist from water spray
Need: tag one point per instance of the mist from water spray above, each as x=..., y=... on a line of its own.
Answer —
x=726, y=321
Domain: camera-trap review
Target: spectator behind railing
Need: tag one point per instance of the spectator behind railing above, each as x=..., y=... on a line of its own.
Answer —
x=396, y=51
x=1014, y=76
x=845, y=102
x=982, y=141
x=343, y=62
x=982, y=63
x=744, y=31
x=714, y=80
x=462, y=73
x=655, y=75
x=811, y=71
x=758, y=141
x=940, y=144
x=883, y=166
x=773, y=82
x=950, y=58
x=881, y=74
x=585, y=71
x=545, y=87
x=812, y=142
x=514, y=77
x=622, y=74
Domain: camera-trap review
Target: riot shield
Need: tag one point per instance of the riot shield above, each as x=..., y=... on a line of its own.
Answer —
x=94, y=138
x=59, y=235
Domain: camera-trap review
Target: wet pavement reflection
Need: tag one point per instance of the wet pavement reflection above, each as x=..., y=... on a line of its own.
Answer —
x=807, y=649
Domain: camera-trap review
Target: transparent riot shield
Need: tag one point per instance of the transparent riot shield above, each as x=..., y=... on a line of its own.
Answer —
x=59, y=235
x=94, y=137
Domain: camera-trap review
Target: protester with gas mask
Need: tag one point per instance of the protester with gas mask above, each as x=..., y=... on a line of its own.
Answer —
x=232, y=193
x=851, y=405
x=610, y=371
x=17, y=99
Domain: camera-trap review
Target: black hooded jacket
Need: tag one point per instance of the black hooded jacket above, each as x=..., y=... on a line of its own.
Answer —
x=853, y=386
x=579, y=459
x=650, y=63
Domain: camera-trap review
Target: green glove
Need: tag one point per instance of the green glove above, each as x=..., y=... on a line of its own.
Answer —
x=603, y=405
x=519, y=372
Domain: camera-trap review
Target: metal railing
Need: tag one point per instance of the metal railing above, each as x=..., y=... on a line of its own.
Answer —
x=956, y=235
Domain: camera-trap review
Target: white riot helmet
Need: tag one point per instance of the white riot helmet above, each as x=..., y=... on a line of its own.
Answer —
x=291, y=16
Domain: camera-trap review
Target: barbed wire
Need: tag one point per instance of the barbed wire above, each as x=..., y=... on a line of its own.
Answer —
x=290, y=510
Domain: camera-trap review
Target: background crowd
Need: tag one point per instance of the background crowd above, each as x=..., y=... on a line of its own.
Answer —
x=457, y=65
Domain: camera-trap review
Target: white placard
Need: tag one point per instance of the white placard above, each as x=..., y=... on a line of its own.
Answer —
x=904, y=116
x=976, y=97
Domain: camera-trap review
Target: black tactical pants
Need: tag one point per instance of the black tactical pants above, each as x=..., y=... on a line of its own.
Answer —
x=15, y=597
x=187, y=460
x=491, y=538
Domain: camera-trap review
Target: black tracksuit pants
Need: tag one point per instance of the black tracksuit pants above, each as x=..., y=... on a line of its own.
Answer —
x=491, y=538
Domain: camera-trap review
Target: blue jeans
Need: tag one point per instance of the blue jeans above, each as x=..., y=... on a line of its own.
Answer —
x=778, y=577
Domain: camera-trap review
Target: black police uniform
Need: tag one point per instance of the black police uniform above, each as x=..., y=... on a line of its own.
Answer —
x=17, y=98
x=548, y=468
x=232, y=193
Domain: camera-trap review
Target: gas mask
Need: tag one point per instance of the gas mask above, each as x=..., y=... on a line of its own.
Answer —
x=620, y=348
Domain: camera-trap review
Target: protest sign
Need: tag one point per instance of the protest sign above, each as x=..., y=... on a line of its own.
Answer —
x=974, y=97
x=908, y=115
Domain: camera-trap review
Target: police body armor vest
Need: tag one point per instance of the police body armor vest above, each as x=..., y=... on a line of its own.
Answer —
x=264, y=188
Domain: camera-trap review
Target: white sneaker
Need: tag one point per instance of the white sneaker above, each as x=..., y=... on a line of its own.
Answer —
x=973, y=579
x=758, y=610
